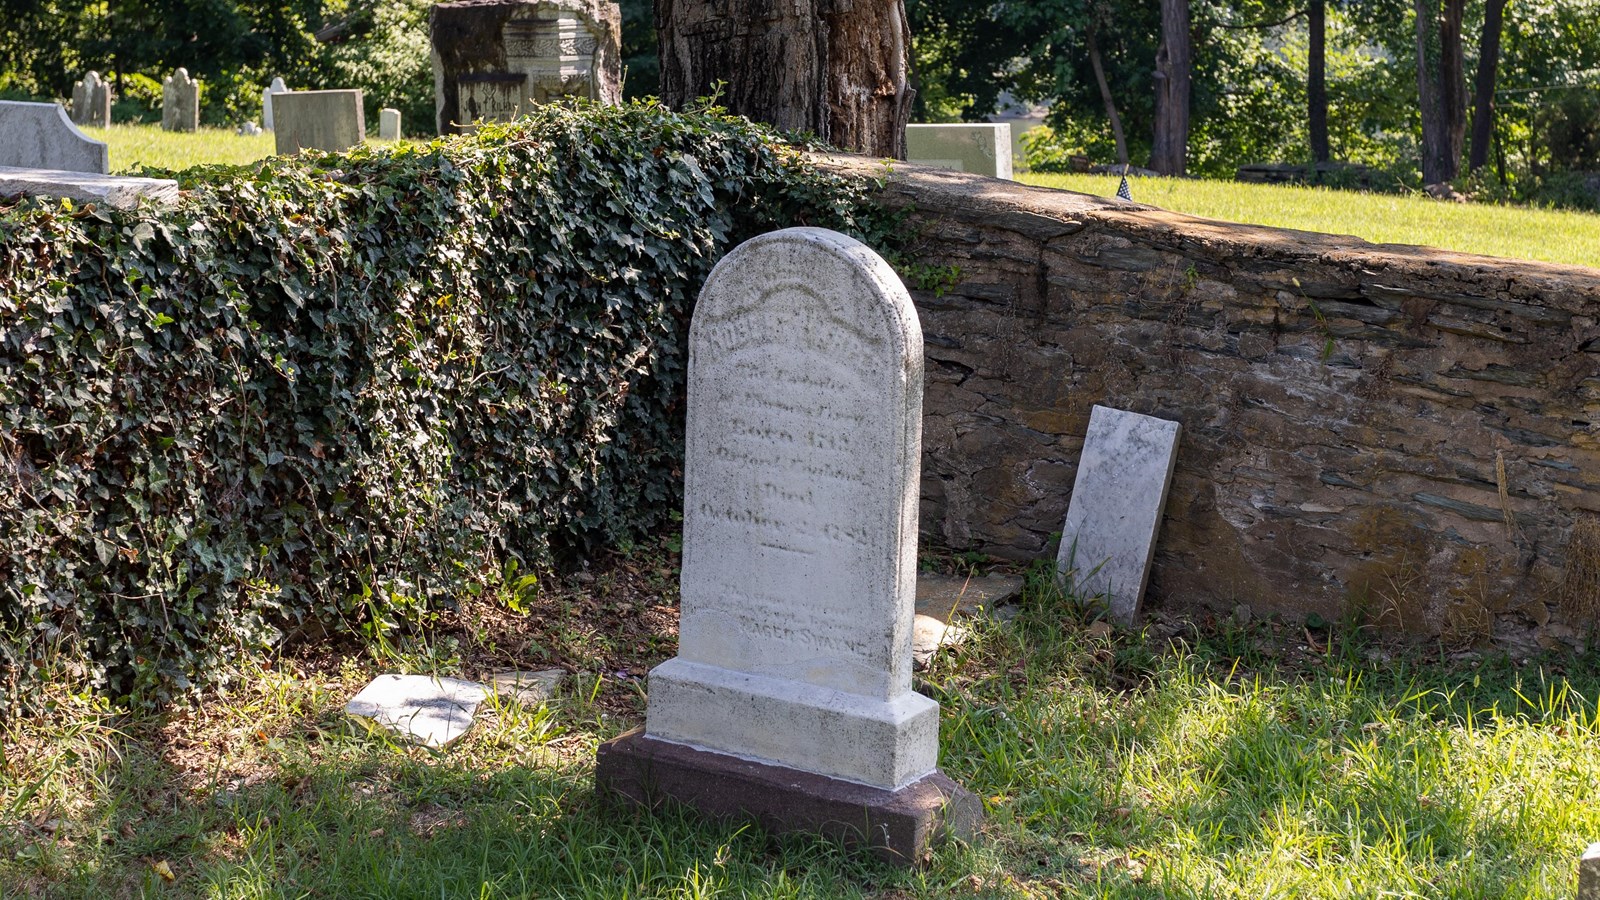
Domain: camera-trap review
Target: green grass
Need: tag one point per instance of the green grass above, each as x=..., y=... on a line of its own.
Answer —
x=1238, y=764
x=1492, y=230
x=134, y=145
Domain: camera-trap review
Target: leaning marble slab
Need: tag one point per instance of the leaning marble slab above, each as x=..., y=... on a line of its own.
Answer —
x=1118, y=499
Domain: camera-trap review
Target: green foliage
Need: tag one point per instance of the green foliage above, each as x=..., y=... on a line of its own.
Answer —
x=331, y=388
x=390, y=62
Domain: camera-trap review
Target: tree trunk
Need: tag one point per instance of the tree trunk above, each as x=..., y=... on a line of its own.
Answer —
x=1105, y=96
x=1173, y=63
x=1483, y=99
x=1441, y=88
x=1317, y=82
x=835, y=68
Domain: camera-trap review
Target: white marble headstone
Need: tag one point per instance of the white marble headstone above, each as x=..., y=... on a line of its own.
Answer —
x=800, y=517
x=389, y=124
x=1117, y=502
x=276, y=87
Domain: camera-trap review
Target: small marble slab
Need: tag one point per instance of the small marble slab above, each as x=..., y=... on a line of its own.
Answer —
x=117, y=191
x=429, y=710
x=1117, y=502
x=1589, y=874
x=941, y=599
x=528, y=687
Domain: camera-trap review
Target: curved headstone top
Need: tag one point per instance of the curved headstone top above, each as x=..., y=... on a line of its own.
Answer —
x=41, y=136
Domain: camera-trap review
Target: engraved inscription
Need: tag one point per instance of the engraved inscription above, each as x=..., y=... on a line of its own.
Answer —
x=785, y=492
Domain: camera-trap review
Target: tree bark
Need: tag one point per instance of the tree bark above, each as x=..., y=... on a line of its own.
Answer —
x=1105, y=96
x=1173, y=62
x=1483, y=95
x=1317, y=82
x=1441, y=88
x=835, y=68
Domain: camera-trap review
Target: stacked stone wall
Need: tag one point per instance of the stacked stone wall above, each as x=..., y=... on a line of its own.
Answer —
x=1394, y=436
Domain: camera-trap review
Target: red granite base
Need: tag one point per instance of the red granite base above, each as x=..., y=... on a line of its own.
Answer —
x=898, y=826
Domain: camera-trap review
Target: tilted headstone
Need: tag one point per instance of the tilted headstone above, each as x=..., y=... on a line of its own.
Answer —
x=180, y=102
x=983, y=149
x=91, y=101
x=790, y=699
x=40, y=136
x=276, y=87
x=389, y=124
x=320, y=120
x=492, y=59
x=1118, y=499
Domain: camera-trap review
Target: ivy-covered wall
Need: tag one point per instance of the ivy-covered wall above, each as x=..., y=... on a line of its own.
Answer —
x=346, y=389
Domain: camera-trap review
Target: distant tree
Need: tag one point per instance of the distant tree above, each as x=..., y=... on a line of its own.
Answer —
x=1173, y=75
x=1483, y=95
x=834, y=68
x=1441, y=87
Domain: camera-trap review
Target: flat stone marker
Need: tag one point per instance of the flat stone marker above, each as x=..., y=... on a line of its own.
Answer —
x=430, y=711
x=180, y=102
x=1589, y=874
x=116, y=191
x=1117, y=500
x=389, y=124
x=944, y=599
x=790, y=700
x=40, y=136
x=318, y=120
x=276, y=87
x=979, y=148
x=528, y=687
x=91, y=101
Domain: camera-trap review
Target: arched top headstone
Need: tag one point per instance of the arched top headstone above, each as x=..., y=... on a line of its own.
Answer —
x=800, y=517
x=180, y=102
x=802, y=456
x=276, y=87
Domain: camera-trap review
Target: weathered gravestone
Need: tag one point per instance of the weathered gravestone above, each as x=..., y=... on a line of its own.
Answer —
x=389, y=124
x=40, y=136
x=790, y=700
x=1118, y=499
x=320, y=120
x=180, y=102
x=1589, y=874
x=276, y=87
x=492, y=59
x=91, y=101
x=982, y=149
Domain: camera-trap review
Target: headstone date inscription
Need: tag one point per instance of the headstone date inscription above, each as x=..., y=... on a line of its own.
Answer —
x=799, y=553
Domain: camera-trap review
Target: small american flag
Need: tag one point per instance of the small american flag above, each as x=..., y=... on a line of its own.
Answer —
x=1122, y=189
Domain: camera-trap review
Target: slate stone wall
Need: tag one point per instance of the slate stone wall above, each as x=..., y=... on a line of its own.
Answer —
x=1401, y=437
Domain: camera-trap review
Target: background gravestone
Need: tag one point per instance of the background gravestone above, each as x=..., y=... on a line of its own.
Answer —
x=320, y=120
x=389, y=124
x=91, y=101
x=180, y=102
x=790, y=699
x=40, y=136
x=493, y=58
x=276, y=87
x=982, y=149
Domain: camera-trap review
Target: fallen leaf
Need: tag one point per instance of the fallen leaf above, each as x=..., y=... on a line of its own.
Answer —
x=165, y=871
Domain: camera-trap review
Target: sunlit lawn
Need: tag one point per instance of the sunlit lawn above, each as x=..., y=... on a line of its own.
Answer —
x=1269, y=762
x=1554, y=236
x=134, y=145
